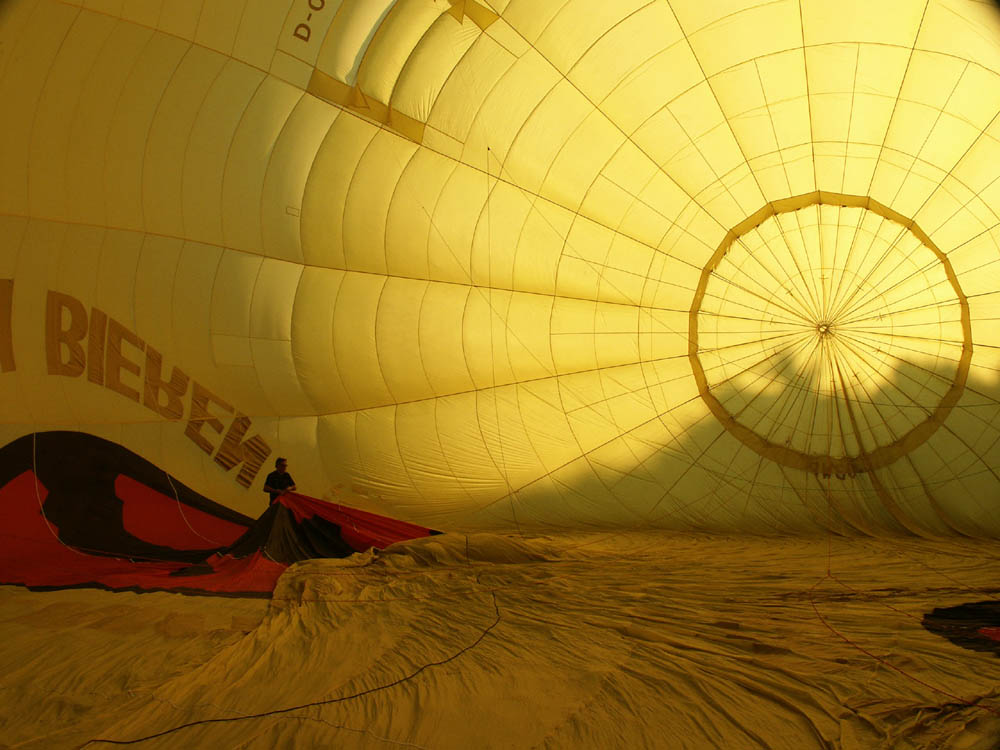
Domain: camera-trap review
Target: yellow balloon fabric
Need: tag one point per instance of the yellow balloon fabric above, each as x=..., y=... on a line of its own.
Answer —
x=534, y=264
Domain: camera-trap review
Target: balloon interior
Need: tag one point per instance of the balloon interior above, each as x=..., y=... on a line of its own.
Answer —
x=666, y=329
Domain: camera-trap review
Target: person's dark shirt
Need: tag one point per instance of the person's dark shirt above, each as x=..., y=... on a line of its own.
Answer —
x=278, y=480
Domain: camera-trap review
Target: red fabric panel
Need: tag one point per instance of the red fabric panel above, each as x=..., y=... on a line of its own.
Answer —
x=32, y=555
x=250, y=575
x=358, y=528
x=991, y=633
x=159, y=519
x=26, y=535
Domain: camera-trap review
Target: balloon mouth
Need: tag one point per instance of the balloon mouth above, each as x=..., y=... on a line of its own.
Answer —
x=773, y=340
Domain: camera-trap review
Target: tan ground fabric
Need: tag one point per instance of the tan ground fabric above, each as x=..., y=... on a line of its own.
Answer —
x=646, y=641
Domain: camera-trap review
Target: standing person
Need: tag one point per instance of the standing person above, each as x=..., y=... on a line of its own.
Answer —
x=279, y=481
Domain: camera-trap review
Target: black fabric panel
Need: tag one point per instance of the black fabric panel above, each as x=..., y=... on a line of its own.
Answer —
x=79, y=472
x=285, y=540
x=961, y=624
